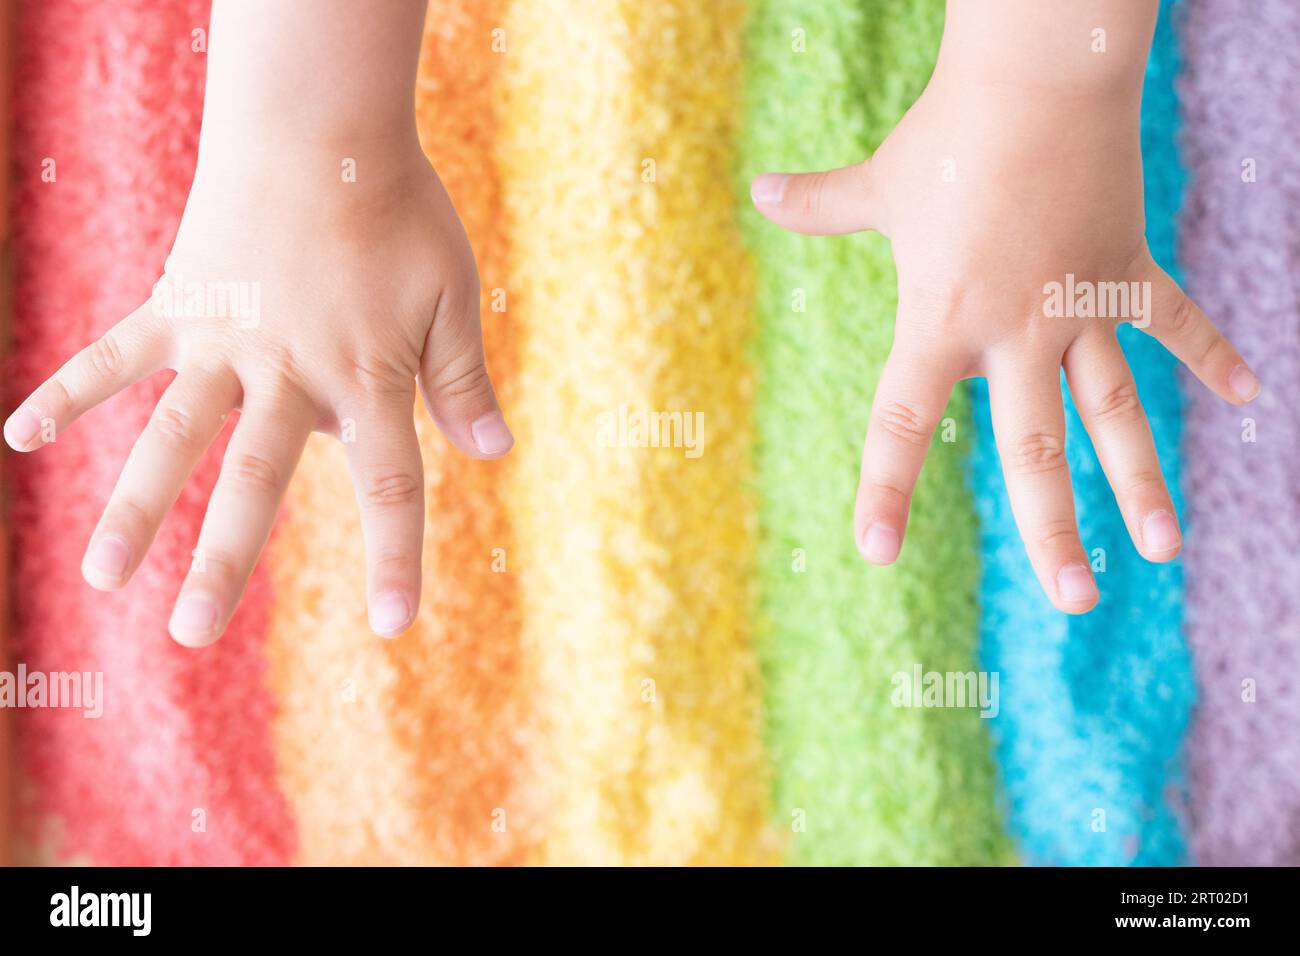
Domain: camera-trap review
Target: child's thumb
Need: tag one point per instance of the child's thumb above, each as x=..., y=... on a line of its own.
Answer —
x=818, y=204
x=455, y=383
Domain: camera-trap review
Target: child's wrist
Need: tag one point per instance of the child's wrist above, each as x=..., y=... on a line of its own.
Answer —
x=1089, y=48
x=363, y=153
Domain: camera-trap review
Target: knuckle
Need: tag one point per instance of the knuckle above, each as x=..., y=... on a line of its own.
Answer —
x=291, y=397
x=887, y=494
x=56, y=397
x=1058, y=535
x=1119, y=404
x=1145, y=479
x=380, y=376
x=468, y=381
x=904, y=422
x=1183, y=316
x=814, y=196
x=277, y=373
x=940, y=306
x=456, y=314
x=1039, y=452
x=287, y=385
x=1213, y=343
x=217, y=564
x=104, y=356
x=389, y=489
x=130, y=516
x=253, y=472
x=395, y=565
x=174, y=427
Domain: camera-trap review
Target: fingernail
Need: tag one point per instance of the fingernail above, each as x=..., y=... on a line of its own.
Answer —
x=491, y=434
x=23, y=426
x=880, y=544
x=194, y=618
x=769, y=188
x=1160, y=532
x=1075, y=584
x=390, y=613
x=1243, y=383
x=109, y=556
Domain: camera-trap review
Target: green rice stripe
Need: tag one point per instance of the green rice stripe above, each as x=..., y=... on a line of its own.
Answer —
x=857, y=780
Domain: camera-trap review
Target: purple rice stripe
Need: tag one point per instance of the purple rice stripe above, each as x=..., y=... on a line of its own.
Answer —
x=1240, y=250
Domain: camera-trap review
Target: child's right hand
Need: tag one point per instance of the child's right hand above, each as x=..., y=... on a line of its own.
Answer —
x=990, y=189
x=347, y=278
x=340, y=296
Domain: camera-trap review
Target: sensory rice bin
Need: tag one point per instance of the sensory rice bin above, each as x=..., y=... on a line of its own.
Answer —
x=648, y=655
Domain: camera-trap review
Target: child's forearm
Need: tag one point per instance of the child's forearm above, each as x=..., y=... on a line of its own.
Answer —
x=1067, y=46
x=331, y=73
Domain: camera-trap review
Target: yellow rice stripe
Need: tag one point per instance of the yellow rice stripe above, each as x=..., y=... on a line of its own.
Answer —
x=631, y=296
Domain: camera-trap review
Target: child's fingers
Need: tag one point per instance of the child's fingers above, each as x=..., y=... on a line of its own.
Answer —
x=1029, y=425
x=188, y=417
x=1186, y=331
x=907, y=407
x=1105, y=394
x=455, y=383
x=389, y=477
x=818, y=204
x=133, y=349
x=263, y=452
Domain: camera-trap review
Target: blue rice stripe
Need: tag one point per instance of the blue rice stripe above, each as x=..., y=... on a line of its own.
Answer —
x=1094, y=708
